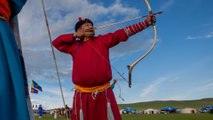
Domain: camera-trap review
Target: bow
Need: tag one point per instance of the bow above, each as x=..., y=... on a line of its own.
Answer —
x=130, y=67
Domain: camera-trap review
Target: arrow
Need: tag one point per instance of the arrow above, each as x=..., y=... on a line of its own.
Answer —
x=127, y=20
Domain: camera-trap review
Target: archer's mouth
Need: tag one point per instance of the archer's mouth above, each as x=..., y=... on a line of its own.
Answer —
x=90, y=30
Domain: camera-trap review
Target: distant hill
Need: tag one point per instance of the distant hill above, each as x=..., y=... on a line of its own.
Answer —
x=174, y=103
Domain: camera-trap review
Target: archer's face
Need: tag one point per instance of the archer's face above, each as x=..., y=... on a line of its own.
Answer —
x=88, y=30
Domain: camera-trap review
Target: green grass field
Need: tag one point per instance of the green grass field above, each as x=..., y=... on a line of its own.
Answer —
x=158, y=105
x=203, y=116
x=197, y=104
x=169, y=117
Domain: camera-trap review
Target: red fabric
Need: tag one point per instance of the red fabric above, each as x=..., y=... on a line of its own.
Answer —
x=91, y=66
x=34, y=91
x=133, y=29
x=5, y=9
x=94, y=109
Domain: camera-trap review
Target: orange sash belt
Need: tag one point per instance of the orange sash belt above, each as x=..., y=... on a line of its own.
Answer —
x=99, y=88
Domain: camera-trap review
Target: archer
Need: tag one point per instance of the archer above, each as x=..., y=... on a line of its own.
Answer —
x=94, y=98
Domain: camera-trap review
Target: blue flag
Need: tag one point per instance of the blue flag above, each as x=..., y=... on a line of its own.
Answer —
x=35, y=85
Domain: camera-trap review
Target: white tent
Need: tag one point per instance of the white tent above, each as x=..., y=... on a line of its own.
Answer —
x=121, y=111
x=189, y=110
x=151, y=111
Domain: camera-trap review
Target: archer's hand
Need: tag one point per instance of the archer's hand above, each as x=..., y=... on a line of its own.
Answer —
x=79, y=34
x=151, y=19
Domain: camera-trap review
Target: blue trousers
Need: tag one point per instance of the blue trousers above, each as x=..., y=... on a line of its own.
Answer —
x=13, y=104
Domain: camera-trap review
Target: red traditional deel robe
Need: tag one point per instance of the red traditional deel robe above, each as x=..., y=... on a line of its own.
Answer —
x=91, y=67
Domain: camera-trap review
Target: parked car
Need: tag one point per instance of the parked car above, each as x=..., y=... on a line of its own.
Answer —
x=207, y=109
x=129, y=110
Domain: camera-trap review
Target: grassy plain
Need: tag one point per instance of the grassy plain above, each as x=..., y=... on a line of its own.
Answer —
x=203, y=116
x=197, y=104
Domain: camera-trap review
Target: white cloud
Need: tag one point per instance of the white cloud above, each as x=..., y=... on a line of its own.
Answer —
x=194, y=92
x=207, y=36
x=152, y=87
x=193, y=38
x=210, y=35
x=51, y=97
x=167, y=5
x=206, y=87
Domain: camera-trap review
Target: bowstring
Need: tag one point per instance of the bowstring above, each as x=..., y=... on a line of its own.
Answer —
x=119, y=95
x=91, y=9
x=89, y=15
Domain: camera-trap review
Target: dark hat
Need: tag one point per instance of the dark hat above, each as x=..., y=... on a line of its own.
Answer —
x=81, y=22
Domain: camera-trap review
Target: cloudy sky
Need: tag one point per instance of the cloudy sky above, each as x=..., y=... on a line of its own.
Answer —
x=179, y=68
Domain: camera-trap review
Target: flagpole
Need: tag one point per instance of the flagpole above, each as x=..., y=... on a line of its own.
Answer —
x=15, y=28
x=53, y=53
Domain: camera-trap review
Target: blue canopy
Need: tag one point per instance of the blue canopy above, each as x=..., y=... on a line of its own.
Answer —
x=168, y=108
x=207, y=108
